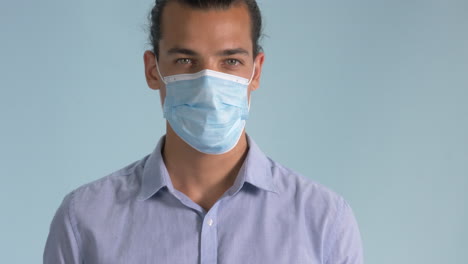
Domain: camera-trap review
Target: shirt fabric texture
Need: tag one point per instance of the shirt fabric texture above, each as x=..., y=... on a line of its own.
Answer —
x=270, y=215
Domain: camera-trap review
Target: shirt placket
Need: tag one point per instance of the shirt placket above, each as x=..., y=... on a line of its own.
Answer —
x=209, y=238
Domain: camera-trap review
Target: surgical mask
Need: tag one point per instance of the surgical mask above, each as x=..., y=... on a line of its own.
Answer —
x=207, y=109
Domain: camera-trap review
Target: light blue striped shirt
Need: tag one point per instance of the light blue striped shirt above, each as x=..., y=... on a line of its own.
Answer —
x=270, y=215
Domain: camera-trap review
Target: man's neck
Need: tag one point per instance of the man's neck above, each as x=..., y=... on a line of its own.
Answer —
x=202, y=177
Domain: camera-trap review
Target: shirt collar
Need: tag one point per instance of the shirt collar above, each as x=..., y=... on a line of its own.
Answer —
x=255, y=170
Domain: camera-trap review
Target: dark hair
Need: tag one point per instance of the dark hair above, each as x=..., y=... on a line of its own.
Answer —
x=255, y=18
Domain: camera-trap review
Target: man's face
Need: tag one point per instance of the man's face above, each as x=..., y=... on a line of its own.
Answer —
x=194, y=40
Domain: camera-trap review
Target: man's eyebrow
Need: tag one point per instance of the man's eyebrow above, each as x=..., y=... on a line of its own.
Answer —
x=189, y=52
x=177, y=50
x=229, y=52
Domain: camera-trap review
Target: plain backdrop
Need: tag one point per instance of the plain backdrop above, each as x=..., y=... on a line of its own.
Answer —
x=367, y=97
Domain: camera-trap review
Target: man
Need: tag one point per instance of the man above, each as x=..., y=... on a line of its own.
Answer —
x=207, y=194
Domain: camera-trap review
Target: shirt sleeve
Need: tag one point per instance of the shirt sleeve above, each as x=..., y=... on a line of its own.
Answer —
x=346, y=243
x=62, y=244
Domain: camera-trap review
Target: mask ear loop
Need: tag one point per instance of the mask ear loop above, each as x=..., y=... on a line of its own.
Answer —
x=157, y=68
x=250, y=80
x=162, y=79
x=253, y=73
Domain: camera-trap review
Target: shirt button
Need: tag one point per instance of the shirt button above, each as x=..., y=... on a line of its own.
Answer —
x=210, y=222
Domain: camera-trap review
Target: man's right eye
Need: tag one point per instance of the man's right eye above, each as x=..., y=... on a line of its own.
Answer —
x=184, y=61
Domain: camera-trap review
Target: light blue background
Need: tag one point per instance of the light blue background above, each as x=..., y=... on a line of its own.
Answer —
x=367, y=97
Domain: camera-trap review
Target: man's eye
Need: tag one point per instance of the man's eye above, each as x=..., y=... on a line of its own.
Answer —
x=232, y=62
x=184, y=61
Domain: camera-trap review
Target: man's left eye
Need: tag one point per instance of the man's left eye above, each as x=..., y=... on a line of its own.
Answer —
x=232, y=62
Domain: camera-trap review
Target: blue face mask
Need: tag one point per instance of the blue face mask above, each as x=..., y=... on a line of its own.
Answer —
x=207, y=109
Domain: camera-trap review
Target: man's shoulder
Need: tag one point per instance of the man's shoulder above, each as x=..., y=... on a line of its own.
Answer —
x=305, y=190
x=119, y=185
x=91, y=205
x=327, y=216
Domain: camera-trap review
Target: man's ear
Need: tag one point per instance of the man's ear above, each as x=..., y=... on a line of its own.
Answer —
x=151, y=72
x=255, y=84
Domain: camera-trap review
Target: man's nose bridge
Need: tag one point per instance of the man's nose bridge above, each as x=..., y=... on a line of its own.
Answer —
x=208, y=64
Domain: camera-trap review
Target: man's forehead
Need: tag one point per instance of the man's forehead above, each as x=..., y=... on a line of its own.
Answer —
x=183, y=21
x=182, y=12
